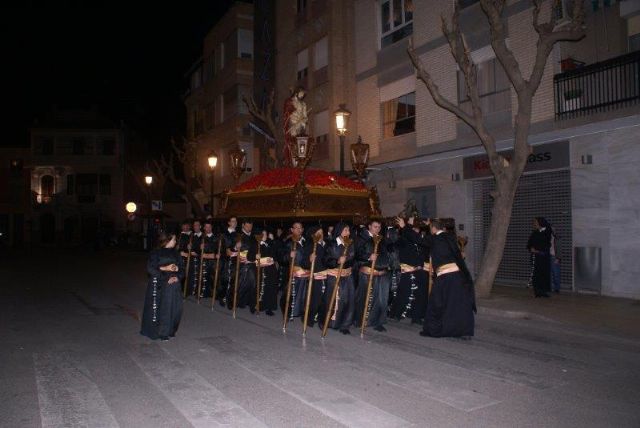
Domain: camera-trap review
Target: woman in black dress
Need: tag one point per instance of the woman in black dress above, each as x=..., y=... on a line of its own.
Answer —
x=163, y=301
x=539, y=245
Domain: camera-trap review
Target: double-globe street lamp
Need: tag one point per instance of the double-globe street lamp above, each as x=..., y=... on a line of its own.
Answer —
x=212, y=159
x=342, y=119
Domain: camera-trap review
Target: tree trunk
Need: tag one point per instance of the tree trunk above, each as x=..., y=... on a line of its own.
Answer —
x=500, y=217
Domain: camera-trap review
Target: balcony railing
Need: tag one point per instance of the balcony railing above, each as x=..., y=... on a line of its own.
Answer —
x=598, y=87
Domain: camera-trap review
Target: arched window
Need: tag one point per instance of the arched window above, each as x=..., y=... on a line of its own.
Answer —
x=46, y=186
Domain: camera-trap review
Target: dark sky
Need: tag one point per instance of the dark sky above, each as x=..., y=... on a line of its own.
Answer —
x=129, y=58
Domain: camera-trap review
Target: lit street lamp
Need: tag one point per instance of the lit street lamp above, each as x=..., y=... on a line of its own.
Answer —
x=342, y=119
x=148, y=181
x=213, y=161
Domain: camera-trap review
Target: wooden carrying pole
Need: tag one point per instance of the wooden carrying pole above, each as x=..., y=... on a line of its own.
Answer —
x=215, y=279
x=288, y=298
x=258, y=272
x=365, y=314
x=334, y=293
x=310, y=284
x=186, y=273
x=237, y=277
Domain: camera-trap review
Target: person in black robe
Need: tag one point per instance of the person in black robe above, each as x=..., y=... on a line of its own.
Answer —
x=163, y=299
x=344, y=306
x=301, y=266
x=247, y=249
x=194, y=265
x=410, y=298
x=451, y=306
x=225, y=291
x=184, y=242
x=318, y=286
x=539, y=245
x=379, y=298
x=268, y=280
x=209, y=247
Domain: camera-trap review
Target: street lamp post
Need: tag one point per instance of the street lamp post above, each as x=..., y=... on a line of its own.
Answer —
x=213, y=161
x=149, y=181
x=342, y=117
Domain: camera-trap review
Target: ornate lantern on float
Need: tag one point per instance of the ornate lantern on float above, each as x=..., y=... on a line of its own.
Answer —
x=238, y=163
x=360, y=158
x=302, y=152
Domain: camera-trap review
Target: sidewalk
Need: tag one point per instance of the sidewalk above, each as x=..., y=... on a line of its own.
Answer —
x=603, y=314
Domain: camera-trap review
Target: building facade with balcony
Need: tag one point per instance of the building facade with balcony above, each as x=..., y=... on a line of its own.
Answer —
x=217, y=118
x=15, y=197
x=315, y=49
x=77, y=174
x=582, y=174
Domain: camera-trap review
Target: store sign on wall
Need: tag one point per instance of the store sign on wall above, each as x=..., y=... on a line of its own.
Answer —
x=544, y=157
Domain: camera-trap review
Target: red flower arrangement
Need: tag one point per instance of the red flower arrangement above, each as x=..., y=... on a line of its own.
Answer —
x=288, y=177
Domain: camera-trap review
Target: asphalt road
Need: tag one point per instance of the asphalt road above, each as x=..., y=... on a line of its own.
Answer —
x=72, y=356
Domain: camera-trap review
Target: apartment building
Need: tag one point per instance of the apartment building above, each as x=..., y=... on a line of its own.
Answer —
x=582, y=174
x=315, y=50
x=77, y=174
x=217, y=118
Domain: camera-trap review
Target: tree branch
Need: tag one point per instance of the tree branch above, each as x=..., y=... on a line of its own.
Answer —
x=493, y=9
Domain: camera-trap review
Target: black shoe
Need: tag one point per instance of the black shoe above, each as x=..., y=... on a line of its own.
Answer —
x=416, y=321
x=380, y=328
x=545, y=295
x=164, y=338
x=424, y=333
x=556, y=291
x=345, y=331
x=269, y=312
x=252, y=310
x=221, y=302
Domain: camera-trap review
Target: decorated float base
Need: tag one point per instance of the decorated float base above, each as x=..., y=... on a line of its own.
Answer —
x=286, y=193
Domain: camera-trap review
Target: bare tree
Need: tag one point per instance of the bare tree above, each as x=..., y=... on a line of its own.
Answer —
x=265, y=116
x=181, y=170
x=506, y=172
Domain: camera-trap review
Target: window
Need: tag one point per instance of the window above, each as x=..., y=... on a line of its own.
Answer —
x=209, y=67
x=321, y=131
x=399, y=115
x=108, y=147
x=15, y=167
x=71, y=185
x=86, y=187
x=303, y=64
x=105, y=184
x=230, y=48
x=245, y=43
x=47, y=146
x=220, y=53
x=78, y=146
x=196, y=78
x=46, y=187
x=209, y=116
x=301, y=6
x=634, y=42
x=230, y=102
x=396, y=20
x=493, y=87
x=321, y=54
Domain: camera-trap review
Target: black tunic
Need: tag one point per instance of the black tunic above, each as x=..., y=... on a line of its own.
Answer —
x=540, y=241
x=452, y=302
x=299, y=285
x=268, y=281
x=343, y=310
x=163, y=301
x=379, y=297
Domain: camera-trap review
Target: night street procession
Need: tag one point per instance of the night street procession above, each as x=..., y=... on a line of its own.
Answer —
x=321, y=213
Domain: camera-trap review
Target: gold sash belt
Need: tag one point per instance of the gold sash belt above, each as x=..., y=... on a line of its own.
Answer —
x=334, y=272
x=320, y=275
x=299, y=272
x=368, y=271
x=448, y=268
x=266, y=261
x=405, y=268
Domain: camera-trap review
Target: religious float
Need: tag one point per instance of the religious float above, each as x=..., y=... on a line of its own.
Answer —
x=295, y=191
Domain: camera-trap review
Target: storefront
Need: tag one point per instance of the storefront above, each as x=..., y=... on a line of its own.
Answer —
x=544, y=190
